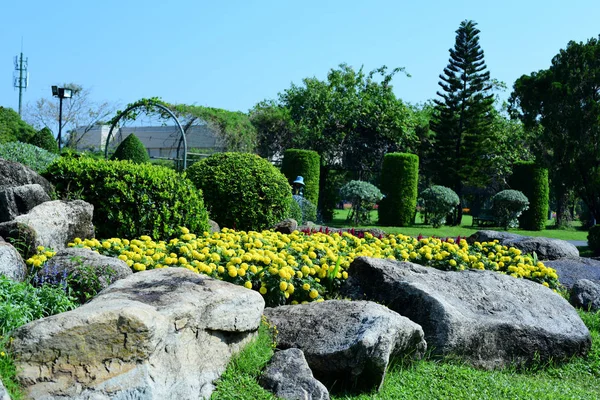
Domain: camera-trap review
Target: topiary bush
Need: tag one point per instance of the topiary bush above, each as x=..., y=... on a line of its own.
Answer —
x=507, y=206
x=305, y=163
x=131, y=149
x=308, y=211
x=438, y=202
x=131, y=199
x=363, y=196
x=242, y=190
x=27, y=154
x=594, y=239
x=399, y=181
x=45, y=140
x=295, y=211
x=533, y=182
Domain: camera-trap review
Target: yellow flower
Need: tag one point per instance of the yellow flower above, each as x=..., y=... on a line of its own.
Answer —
x=248, y=285
x=313, y=294
x=263, y=290
x=306, y=286
x=283, y=286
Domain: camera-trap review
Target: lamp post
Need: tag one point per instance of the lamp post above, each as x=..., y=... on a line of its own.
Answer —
x=61, y=93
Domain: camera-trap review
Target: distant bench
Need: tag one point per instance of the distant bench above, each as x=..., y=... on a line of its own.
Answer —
x=484, y=218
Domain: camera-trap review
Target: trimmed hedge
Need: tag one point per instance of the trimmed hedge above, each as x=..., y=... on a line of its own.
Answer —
x=45, y=140
x=399, y=184
x=533, y=182
x=305, y=163
x=242, y=190
x=131, y=199
x=131, y=149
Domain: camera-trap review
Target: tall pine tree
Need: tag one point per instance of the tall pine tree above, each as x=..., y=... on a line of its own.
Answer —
x=463, y=115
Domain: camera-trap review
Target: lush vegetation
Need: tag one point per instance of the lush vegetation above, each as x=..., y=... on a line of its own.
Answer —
x=131, y=149
x=130, y=199
x=532, y=181
x=507, y=207
x=242, y=190
x=45, y=140
x=27, y=154
x=438, y=202
x=363, y=197
x=399, y=184
x=305, y=163
x=306, y=211
x=12, y=127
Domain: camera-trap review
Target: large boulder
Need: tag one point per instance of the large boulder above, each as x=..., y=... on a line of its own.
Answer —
x=586, y=294
x=11, y=263
x=79, y=260
x=19, y=200
x=570, y=270
x=347, y=343
x=159, y=334
x=545, y=248
x=488, y=319
x=286, y=226
x=15, y=174
x=289, y=377
x=51, y=224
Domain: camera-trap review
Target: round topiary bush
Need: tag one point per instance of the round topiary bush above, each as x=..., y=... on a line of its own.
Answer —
x=438, y=202
x=363, y=197
x=131, y=149
x=45, y=140
x=242, y=190
x=399, y=181
x=533, y=182
x=27, y=154
x=594, y=239
x=507, y=207
x=130, y=199
x=305, y=163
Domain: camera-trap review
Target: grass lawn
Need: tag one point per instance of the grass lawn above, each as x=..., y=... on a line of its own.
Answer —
x=575, y=233
x=429, y=379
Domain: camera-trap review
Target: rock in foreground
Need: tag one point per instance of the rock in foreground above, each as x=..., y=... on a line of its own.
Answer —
x=159, y=334
x=487, y=319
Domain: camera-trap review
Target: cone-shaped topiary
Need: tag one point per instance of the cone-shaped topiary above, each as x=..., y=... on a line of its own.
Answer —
x=242, y=191
x=45, y=140
x=399, y=180
x=132, y=149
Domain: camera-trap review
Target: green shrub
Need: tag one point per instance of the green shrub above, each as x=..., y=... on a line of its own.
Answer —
x=27, y=154
x=131, y=149
x=399, y=181
x=438, y=202
x=305, y=163
x=308, y=211
x=131, y=199
x=363, y=196
x=45, y=140
x=295, y=211
x=242, y=190
x=533, y=182
x=330, y=183
x=507, y=206
x=594, y=239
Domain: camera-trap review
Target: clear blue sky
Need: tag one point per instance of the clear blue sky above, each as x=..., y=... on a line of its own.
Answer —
x=233, y=54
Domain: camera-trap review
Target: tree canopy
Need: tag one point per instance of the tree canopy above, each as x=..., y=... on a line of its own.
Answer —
x=13, y=128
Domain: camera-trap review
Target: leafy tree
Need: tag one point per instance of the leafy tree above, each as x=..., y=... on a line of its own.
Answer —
x=80, y=112
x=274, y=128
x=561, y=106
x=463, y=115
x=45, y=140
x=13, y=128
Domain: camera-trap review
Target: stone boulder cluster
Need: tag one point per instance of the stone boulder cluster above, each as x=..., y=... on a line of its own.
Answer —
x=170, y=333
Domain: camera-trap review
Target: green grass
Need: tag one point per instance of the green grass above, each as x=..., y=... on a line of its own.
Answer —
x=427, y=379
x=465, y=229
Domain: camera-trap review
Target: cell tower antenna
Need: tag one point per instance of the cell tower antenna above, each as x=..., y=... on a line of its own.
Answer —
x=21, y=76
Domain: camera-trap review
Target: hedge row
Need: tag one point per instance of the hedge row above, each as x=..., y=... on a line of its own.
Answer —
x=399, y=180
x=533, y=182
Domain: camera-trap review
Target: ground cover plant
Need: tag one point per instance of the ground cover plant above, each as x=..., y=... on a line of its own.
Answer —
x=27, y=154
x=297, y=268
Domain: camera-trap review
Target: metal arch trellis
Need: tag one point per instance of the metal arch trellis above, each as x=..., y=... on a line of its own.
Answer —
x=147, y=104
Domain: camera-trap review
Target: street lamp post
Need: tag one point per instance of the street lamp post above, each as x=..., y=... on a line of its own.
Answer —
x=61, y=93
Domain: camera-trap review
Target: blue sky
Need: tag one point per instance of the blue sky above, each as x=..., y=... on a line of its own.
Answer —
x=233, y=54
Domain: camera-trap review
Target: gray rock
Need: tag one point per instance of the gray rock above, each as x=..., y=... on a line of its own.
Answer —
x=570, y=270
x=159, y=334
x=289, y=377
x=19, y=200
x=586, y=295
x=15, y=174
x=286, y=226
x=3, y=393
x=107, y=269
x=488, y=319
x=11, y=263
x=51, y=224
x=545, y=248
x=348, y=344
x=214, y=227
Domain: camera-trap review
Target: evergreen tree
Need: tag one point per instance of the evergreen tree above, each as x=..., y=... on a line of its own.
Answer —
x=463, y=116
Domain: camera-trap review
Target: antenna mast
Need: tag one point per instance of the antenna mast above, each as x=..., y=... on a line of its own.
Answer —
x=20, y=76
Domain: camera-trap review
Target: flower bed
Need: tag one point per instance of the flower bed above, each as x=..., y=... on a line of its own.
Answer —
x=303, y=267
